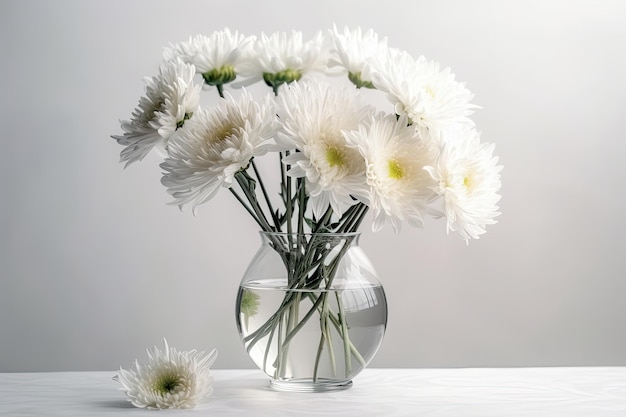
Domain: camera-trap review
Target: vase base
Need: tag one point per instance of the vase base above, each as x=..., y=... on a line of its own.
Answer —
x=308, y=385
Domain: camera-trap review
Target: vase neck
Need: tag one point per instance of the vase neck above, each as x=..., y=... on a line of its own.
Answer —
x=297, y=239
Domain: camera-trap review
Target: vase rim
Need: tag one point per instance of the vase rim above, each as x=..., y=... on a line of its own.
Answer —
x=266, y=233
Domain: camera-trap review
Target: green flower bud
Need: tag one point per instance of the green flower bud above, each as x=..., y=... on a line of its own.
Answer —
x=220, y=76
x=279, y=78
x=182, y=122
x=355, y=77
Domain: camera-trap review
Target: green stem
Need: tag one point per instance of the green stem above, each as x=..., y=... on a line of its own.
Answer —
x=336, y=322
x=301, y=204
x=320, y=347
x=346, y=337
x=364, y=210
x=267, y=347
x=329, y=273
x=220, y=89
x=292, y=318
x=331, y=351
x=279, y=346
x=266, y=196
x=308, y=270
x=289, y=207
x=302, y=322
x=248, y=191
x=248, y=209
x=352, y=219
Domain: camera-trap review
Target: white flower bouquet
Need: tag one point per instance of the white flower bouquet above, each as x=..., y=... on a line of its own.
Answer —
x=339, y=157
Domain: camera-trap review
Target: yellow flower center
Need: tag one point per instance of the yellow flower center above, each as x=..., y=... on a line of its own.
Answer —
x=334, y=157
x=395, y=170
x=223, y=132
x=468, y=183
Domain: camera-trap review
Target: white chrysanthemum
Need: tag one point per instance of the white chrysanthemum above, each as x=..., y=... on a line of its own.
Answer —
x=313, y=116
x=469, y=181
x=169, y=379
x=214, y=145
x=354, y=50
x=283, y=58
x=171, y=98
x=400, y=188
x=217, y=57
x=429, y=96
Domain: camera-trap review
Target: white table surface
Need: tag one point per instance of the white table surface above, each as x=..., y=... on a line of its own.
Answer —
x=518, y=392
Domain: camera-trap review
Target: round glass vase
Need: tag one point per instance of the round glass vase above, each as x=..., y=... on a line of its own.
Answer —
x=310, y=310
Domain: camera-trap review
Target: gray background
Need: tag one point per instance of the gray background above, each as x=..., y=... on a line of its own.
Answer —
x=95, y=266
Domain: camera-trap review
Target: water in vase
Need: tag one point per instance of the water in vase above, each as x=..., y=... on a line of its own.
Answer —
x=327, y=334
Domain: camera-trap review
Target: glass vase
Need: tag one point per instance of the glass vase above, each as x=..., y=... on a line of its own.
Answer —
x=310, y=310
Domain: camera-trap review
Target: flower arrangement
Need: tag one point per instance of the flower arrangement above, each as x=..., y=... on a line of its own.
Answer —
x=338, y=157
